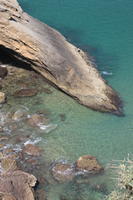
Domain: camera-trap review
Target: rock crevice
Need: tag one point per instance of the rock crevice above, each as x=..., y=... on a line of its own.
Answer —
x=60, y=62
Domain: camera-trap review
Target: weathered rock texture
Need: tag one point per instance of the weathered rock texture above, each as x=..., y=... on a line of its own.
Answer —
x=60, y=62
x=15, y=184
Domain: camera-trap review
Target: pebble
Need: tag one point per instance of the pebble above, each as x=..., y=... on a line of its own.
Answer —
x=2, y=97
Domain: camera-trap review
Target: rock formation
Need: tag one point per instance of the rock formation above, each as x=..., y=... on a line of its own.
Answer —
x=14, y=183
x=89, y=164
x=2, y=97
x=60, y=62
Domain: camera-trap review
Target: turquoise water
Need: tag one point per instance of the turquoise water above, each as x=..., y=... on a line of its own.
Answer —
x=105, y=29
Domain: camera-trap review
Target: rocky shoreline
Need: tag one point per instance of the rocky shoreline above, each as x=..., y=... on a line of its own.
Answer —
x=20, y=150
x=25, y=54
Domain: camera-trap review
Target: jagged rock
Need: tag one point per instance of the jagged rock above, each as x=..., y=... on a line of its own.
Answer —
x=2, y=97
x=15, y=184
x=88, y=164
x=60, y=62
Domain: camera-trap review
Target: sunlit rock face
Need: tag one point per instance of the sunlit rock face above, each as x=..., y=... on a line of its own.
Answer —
x=60, y=62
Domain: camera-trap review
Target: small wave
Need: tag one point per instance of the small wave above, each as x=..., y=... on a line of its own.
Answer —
x=107, y=73
x=47, y=128
x=15, y=148
x=33, y=141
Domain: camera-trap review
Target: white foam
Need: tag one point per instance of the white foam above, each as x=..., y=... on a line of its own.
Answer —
x=33, y=141
x=47, y=128
x=16, y=147
x=107, y=73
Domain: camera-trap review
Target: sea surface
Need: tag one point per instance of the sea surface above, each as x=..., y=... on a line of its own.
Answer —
x=103, y=28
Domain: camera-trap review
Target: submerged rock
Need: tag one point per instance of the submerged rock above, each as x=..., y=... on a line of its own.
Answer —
x=60, y=62
x=47, y=91
x=63, y=172
x=31, y=149
x=2, y=97
x=36, y=120
x=88, y=164
x=40, y=194
x=26, y=93
x=62, y=117
x=19, y=115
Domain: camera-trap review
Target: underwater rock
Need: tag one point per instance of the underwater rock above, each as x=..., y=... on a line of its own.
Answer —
x=36, y=119
x=19, y=115
x=63, y=172
x=40, y=194
x=47, y=51
x=2, y=97
x=26, y=92
x=47, y=91
x=88, y=164
x=3, y=72
x=62, y=117
x=31, y=149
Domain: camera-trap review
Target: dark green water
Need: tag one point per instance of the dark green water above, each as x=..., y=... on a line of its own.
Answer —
x=105, y=29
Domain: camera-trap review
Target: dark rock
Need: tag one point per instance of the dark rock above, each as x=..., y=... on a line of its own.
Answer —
x=40, y=194
x=47, y=90
x=21, y=138
x=3, y=72
x=26, y=92
x=62, y=117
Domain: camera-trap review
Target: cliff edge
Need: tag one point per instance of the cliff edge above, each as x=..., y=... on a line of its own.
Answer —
x=60, y=62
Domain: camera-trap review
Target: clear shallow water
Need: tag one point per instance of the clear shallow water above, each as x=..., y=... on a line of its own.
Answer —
x=104, y=28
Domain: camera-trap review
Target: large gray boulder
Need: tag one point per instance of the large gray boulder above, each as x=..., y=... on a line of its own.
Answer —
x=60, y=62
